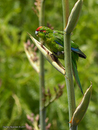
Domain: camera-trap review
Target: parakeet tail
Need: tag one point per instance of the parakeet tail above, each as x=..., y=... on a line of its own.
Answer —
x=76, y=76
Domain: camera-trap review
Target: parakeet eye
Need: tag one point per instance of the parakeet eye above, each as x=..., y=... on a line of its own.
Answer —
x=42, y=31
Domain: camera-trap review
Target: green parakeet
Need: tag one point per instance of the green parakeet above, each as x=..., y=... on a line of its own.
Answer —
x=54, y=39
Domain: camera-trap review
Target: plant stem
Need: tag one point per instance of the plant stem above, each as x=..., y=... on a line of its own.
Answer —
x=41, y=88
x=67, y=10
x=68, y=66
x=69, y=79
x=42, y=81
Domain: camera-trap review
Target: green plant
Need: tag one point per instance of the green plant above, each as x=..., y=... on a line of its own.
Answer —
x=74, y=114
x=19, y=82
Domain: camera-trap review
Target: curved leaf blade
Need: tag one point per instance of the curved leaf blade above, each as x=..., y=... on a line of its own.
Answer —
x=82, y=108
x=74, y=16
x=49, y=56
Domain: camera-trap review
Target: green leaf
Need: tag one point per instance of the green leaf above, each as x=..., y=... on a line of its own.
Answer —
x=81, y=109
x=49, y=56
x=73, y=18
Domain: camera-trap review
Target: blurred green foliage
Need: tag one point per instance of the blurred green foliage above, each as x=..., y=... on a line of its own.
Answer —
x=19, y=83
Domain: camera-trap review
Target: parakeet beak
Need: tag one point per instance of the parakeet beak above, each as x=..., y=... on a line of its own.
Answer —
x=36, y=32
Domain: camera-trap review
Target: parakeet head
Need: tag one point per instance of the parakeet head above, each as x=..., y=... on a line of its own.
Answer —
x=42, y=31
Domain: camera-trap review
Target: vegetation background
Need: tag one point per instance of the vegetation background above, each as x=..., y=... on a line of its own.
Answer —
x=19, y=82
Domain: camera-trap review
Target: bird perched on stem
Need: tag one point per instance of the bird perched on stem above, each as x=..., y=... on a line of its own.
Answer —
x=54, y=39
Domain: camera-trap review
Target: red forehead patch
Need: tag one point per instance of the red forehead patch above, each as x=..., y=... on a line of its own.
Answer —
x=38, y=28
